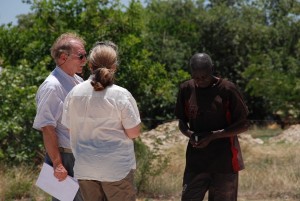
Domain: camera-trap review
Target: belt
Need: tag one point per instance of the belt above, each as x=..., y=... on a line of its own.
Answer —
x=64, y=150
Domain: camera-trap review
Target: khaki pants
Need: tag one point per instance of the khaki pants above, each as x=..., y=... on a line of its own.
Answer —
x=122, y=190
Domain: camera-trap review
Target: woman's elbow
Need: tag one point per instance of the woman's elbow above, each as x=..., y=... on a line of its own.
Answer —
x=133, y=132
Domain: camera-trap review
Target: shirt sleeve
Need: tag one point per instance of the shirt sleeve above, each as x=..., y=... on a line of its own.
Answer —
x=237, y=106
x=65, y=120
x=130, y=115
x=180, y=106
x=49, y=108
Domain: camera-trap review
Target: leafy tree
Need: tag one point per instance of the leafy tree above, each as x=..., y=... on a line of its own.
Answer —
x=277, y=86
x=19, y=142
x=253, y=43
x=148, y=80
x=173, y=33
x=274, y=68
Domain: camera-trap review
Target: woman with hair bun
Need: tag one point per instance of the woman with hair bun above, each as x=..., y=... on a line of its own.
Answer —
x=103, y=119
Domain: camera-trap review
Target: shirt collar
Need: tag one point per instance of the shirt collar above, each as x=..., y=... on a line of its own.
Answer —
x=91, y=76
x=72, y=79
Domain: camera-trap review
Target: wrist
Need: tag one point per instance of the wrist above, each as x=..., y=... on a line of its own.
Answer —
x=195, y=136
x=188, y=133
x=215, y=134
x=57, y=163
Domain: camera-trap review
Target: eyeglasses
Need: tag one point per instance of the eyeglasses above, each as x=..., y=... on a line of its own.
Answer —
x=80, y=56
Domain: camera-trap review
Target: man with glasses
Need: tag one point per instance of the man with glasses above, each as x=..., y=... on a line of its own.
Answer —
x=69, y=55
x=211, y=112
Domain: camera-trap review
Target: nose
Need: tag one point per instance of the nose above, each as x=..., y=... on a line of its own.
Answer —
x=200, y=78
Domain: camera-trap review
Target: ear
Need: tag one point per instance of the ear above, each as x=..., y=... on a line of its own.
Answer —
x=64, y=56
x=90, y=66
x=213, y=68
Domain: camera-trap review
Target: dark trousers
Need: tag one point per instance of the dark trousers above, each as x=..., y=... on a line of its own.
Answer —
x=220, y=187
x=68, y=162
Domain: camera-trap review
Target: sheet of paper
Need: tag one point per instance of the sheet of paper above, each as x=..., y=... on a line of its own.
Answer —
x=62, y=190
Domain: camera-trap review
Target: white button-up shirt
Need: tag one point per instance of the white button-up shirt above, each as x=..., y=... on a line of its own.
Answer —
x=97, y=120
x=49, y=100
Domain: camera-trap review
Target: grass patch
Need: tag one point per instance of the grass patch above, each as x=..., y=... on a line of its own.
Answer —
x=272, y=171
x=264, y=132
x=17, y=183
x=168, y=184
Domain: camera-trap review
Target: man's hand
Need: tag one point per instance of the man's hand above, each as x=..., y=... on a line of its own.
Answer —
x=200, y=140
x=60, y=172
x=194, y=138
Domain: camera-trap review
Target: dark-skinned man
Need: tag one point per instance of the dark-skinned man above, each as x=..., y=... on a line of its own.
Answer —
x=211, y=113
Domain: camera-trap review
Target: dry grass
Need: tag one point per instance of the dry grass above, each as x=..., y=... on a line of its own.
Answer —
x=167, y=186
x=264, y=132
x=17, y=183
x=272, y=171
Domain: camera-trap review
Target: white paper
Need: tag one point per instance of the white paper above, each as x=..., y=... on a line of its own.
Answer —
x=63, y=190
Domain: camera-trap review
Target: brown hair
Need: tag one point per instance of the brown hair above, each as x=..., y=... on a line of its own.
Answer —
x=103, y=60
x=63, y=44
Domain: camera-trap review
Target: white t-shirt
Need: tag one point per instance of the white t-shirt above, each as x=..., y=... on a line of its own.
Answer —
x=97, y=120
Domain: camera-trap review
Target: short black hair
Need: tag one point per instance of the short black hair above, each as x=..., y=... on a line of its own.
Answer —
x=200, y=61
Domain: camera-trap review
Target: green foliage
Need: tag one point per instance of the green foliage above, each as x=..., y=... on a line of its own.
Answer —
x=253, y=43
x=269, y=79
x=18, y=85
x=151, y=85
x=273, y=69
x=173, y=32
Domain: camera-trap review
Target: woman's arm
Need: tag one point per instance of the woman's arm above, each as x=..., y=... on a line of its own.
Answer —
x=133, y=132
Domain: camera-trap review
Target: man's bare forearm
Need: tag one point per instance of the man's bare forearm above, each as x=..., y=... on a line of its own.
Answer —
x=184, y=128
x=51, y=144
x=232, y=130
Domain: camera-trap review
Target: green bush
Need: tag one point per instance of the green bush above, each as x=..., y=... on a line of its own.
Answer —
x=150, y=163
x=19, y=141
